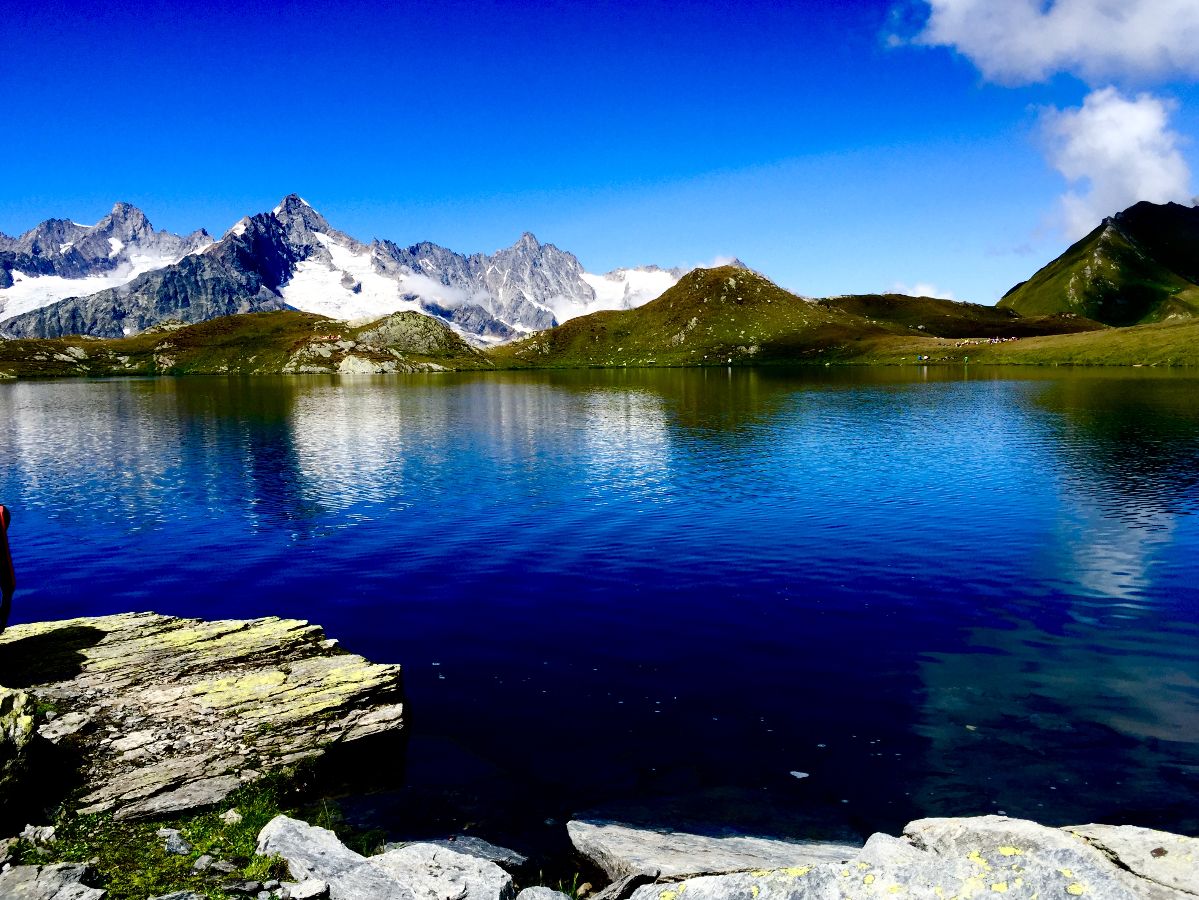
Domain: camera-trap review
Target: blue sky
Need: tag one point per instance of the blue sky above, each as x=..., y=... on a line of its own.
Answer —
x=837, y=148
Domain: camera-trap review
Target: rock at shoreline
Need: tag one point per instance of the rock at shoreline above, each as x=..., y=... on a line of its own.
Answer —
x=943, y=858
x=412, y=872
x=473, y=846
x=541, y=893
x=64, y=881
x=1157, y=856
x=170, y=715
x=623, y=850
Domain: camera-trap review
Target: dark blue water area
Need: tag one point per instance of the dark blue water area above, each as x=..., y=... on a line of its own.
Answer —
x=815, y=603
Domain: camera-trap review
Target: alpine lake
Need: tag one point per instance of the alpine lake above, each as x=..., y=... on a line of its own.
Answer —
x=811, y=603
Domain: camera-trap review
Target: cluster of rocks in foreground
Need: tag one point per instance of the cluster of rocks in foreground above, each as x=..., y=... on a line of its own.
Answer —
x=171, y=715
x=937, y=859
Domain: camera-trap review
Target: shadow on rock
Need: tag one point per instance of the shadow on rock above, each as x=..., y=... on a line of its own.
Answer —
x=48, y=657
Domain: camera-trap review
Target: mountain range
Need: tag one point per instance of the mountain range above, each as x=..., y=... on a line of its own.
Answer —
x=121, y=276
x=1115, y=296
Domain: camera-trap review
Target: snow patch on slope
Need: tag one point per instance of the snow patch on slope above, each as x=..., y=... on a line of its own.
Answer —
x=349, y=289
x=30, y=292
x=620, y=289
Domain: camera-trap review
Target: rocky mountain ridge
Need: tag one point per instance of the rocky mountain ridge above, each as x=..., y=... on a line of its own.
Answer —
x=292, y=257
x=1137, y=267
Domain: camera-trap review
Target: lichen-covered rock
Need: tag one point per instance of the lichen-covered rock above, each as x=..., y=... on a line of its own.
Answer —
x=16, y=734
x=173, y=714
x=623, y=850
x=63, y=881
x=938, y=859
x=1158, y=856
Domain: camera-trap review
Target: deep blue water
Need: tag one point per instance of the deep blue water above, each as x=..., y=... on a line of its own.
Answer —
x=657, y=594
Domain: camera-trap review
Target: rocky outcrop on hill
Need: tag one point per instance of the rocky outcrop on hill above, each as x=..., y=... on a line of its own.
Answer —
x=168, y=715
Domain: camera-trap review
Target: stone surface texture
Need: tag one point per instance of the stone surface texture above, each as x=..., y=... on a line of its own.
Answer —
x=16, y=733
x=623, y=850
x=541, y=893
x=940, y=859
x=473, y=846
x=173, y=714
x=411, y=872
x=435, y=872
x=1157, y=856
x=64, y=881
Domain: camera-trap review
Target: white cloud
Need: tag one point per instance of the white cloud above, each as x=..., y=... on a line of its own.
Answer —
x=921, y=289
x=1116, y=151
x=1023, y=41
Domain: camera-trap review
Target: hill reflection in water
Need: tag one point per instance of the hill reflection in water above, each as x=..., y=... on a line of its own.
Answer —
x=655, y=594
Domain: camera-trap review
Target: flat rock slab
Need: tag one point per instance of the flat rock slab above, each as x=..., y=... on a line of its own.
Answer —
x=1156, y=856
x=622, y=850
x=412, y=872
x=173, y=714
x=937, y=859
x=64, y=881
x=473, y=846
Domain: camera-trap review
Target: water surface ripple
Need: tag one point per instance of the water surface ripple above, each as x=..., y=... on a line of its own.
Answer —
x=657, y=594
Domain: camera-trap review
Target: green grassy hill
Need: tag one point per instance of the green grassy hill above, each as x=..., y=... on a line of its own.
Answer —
x=711, y=317
x=952, y=318
x=1139, y=266
x=252, y=344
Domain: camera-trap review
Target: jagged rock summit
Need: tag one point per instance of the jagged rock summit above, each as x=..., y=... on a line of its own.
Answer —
x=61, y=258
x=292, y=257
x=168, y=715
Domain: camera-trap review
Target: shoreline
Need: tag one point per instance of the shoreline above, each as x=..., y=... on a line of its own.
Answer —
x=259, y=714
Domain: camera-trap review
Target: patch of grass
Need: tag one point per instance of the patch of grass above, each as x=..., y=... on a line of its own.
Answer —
x=131, y=860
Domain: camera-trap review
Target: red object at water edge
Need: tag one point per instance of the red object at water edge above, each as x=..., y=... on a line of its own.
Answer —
x=8, y=578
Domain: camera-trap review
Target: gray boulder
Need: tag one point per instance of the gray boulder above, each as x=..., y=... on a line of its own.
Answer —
x=63, y=881
x=180, y=895
x=541, y=893
x=473, y=846
x=435, y=872
x=1157, y=856
x=942, y=858
x=312, y=889
x=623, y=850
x=412, y=872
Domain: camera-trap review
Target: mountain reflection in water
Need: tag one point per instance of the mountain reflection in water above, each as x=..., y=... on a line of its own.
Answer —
x=655, y=594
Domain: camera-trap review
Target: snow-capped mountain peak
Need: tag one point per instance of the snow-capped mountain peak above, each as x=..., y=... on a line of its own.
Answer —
x=292, y=256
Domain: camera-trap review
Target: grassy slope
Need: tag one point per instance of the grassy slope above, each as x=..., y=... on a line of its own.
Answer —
x=711, y=317
x=1174, y=343
x=1116, y=274
x=255, y=343
x=954, y=319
